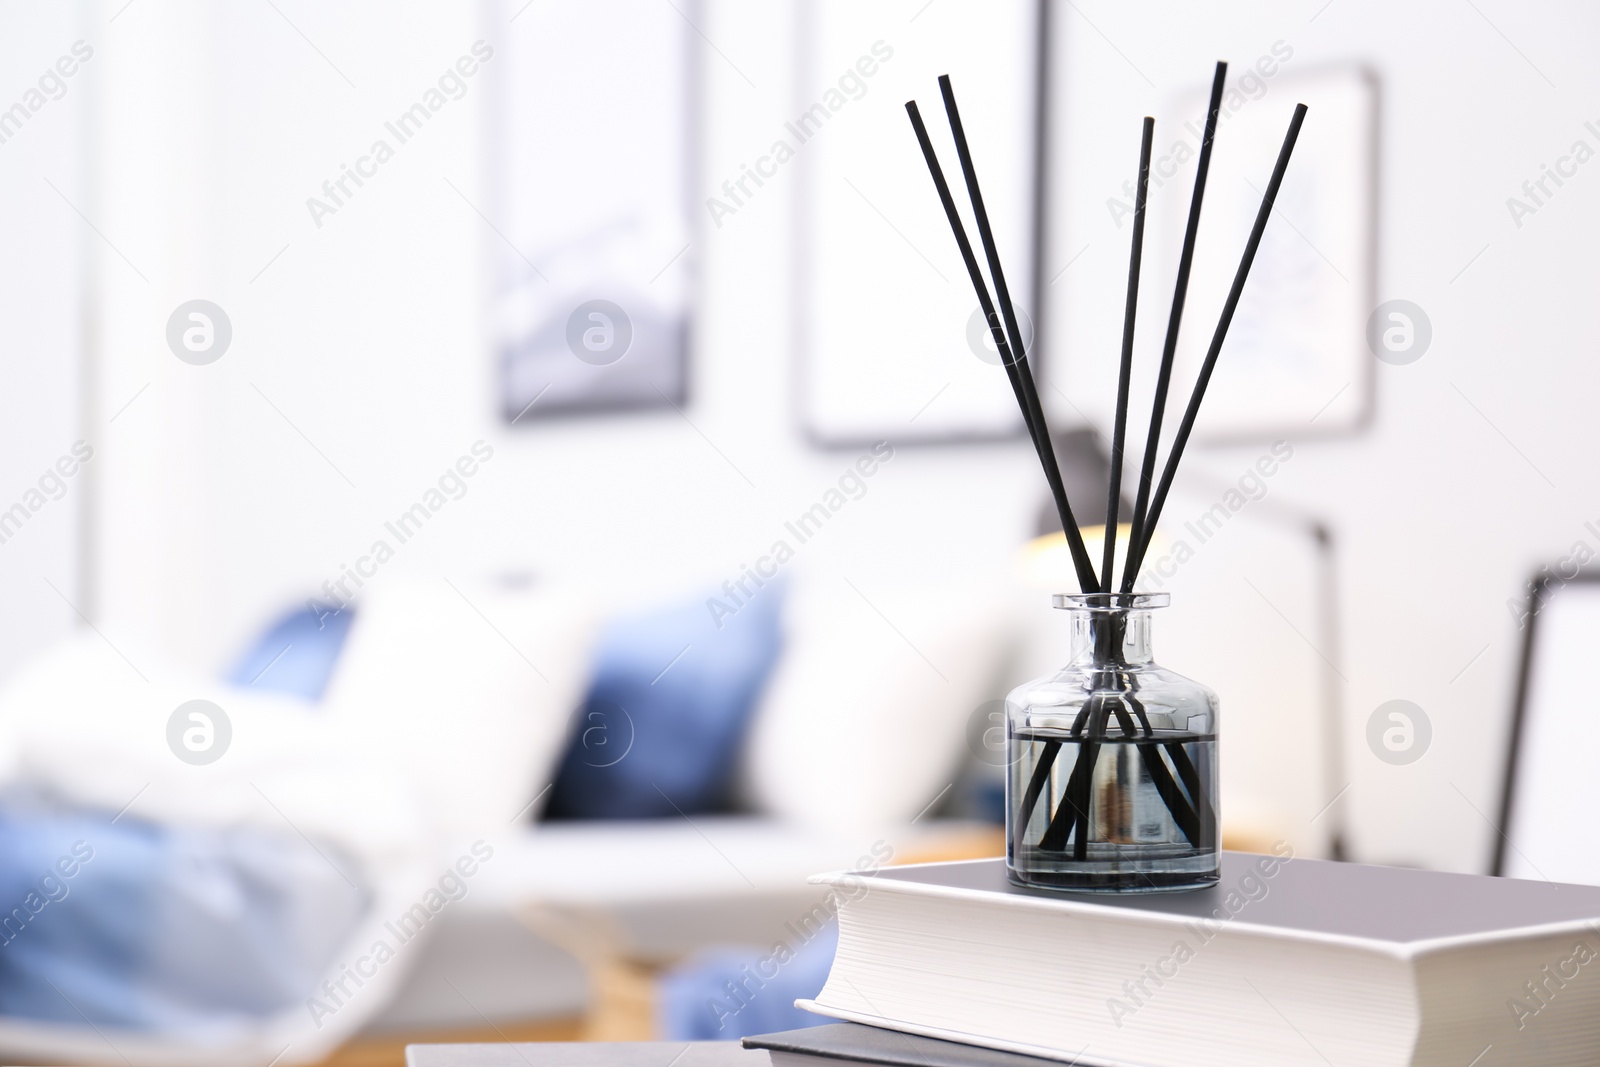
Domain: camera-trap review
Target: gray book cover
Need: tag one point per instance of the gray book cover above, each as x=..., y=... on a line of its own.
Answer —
x=893, y=1048
x=1398, y=906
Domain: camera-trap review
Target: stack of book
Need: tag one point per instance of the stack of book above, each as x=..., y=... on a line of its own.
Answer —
x=1286, y=962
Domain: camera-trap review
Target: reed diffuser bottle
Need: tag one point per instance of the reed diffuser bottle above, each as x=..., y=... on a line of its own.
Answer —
x=1113, y=778
x=1112, y=783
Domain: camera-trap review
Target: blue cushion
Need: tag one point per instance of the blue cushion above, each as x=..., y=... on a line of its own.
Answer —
x=726, y=994
x=297, y=654
x=672, y=693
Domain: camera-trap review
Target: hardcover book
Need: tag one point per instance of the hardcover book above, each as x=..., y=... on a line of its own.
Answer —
x=1285, y=962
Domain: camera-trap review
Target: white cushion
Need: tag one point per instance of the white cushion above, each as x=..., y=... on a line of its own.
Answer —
x=82, y=724
x=468, y=691
x=863, y=723
x=87, y=727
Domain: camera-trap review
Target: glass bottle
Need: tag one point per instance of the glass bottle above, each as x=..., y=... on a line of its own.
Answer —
x=1112, y=779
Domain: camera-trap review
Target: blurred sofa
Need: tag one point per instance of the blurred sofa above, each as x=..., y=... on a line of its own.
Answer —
x=412, y=744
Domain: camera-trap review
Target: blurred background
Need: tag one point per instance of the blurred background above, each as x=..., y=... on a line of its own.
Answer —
x=493, y=495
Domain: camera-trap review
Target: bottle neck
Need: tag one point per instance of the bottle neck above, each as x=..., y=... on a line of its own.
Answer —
x=1110, y=638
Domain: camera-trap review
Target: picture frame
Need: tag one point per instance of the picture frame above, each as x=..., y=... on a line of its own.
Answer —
x=890, y=344
x=1296, y=362
x=1560, y=617
x=593, y=266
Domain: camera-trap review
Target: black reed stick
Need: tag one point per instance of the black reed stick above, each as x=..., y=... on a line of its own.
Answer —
x=1191, y=821
x=1073, y=813
x=1130, y=312
x=1015, y=368
x=1072, y=817
x=1028, y=394
x=1136, y=551
x=1047, y=757
x=1036, y=783
x=1170, y=347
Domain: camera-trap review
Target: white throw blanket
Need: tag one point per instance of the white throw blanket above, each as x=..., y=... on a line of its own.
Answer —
x=445, y=717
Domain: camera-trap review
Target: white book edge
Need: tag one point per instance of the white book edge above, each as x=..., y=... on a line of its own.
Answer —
x=1407, y=951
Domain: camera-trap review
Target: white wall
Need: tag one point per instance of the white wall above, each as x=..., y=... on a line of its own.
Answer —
x=362, y=342
x=366, y=335
x=1442, y=511
x=42, y=307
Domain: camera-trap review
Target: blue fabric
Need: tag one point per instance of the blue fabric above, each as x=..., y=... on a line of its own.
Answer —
x=729, y=994
x=179, y=932
x=672, y=694
x=297, y=654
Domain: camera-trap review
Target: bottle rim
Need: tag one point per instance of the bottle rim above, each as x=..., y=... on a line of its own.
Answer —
x=1110, y=603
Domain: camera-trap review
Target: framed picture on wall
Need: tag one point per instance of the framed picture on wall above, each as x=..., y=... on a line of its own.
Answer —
x=890, y=342
x=593, y=261
x=1296, y=360
x=1545, y=831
